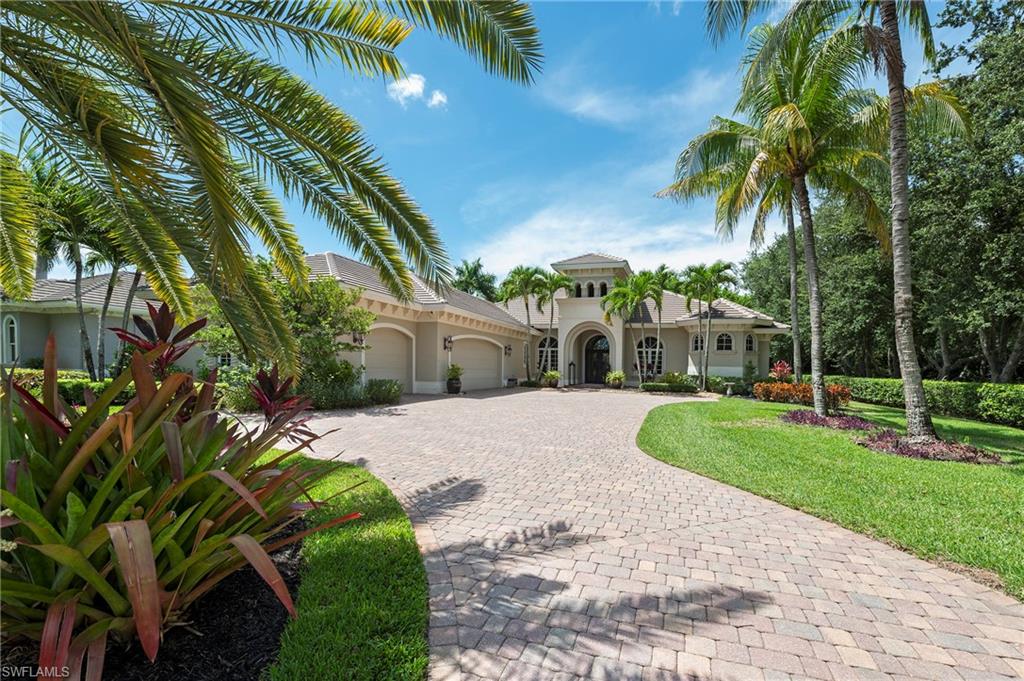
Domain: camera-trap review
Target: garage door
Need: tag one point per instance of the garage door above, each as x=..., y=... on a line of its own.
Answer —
x=480, y=361
x=389, y=356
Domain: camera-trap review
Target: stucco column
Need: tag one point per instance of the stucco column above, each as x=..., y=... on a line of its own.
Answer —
x=565, y=353
x=618, y=333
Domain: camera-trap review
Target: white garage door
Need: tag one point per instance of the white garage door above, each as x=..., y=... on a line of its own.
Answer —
x=389, y=356
x=480, y=361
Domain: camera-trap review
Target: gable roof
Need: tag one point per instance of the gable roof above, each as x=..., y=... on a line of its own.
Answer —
x=355, y=273
x=94, y=290
x=592, y=259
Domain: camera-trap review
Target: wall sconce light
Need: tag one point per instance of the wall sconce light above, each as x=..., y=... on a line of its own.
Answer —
x=448, y=343
x=357, y=338
x=508, y=350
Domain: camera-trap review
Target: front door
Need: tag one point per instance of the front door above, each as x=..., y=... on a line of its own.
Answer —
x=595, y=360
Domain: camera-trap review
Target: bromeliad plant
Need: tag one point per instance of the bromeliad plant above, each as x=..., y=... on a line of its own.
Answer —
x=114, y=524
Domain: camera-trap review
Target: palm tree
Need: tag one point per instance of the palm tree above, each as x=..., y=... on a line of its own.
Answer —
x=622, y=301
x=806, y=125
x=105, y=255
x=19, y=222
x=644, y=286
x=691, y=285
x=663, y=281
x=548, y=286
x=471, y=278
x=180, y=121
x=940, y=111
x=717, y=276
x=522, y=282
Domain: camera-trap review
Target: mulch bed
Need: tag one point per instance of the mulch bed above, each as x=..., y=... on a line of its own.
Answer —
x=888, y=441
x=232, y=634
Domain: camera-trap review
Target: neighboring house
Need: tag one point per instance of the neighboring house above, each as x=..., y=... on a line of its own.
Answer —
x=586, y=346
x=25, y=324
x=415, y=341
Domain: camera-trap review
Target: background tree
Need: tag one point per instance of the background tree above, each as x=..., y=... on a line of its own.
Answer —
x=522, y=282
x=548, y=286
x=663, y=281
x=179, y=120
x=714, y=278
x=691, y=284
x=105, y=255
x=471, y=278
x=623, y=300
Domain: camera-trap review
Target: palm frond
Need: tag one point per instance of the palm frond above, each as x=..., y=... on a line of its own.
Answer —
x=18, y=224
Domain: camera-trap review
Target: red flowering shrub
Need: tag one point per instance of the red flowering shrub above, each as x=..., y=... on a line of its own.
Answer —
x=781, y=371
x=836, y=396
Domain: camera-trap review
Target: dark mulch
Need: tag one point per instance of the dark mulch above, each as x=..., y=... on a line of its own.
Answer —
x=232, y=634
x=888, y=441
x=806, y=417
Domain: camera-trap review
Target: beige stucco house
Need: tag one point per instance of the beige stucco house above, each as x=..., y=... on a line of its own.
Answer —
x=415, y=341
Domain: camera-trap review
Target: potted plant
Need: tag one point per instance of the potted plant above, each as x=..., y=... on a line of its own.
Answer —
x=615, y=379
x=550, y=379
x=454, y=379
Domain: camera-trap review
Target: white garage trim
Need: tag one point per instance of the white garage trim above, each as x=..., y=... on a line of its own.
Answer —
x=402, y=330
x=472, y=336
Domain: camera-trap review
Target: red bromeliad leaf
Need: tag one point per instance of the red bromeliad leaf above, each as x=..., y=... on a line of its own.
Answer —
x=55, y=643
x=134, y=549
x=37, y=411
x=261, y=562
x=145, y=383
x=189, y=330
x=50, y=375
x=240, y=490
x=8, y=521
x=91, y=642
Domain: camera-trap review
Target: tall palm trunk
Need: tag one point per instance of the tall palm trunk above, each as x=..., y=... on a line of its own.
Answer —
x=703, y=343
x=83, y=332
x=126, y=317
x=814, y=293
x=657, y=346
x=529, y=360
x=551, y=323
x=707, y=346
x=642, y=347
x=101, y=345
x=794, y=322
x=919, y=421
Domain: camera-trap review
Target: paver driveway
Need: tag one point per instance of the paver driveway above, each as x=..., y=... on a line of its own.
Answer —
x=555, y=548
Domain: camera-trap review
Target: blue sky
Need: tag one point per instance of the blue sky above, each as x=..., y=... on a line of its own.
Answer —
x=529, y=175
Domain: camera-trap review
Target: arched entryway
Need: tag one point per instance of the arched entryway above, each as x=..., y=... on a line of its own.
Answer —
x=596, y=359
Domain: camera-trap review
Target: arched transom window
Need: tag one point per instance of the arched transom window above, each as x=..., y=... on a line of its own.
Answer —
x=723, y=343
x=604, y=289
x=751, y=344
x=697, y=343
x=652, y=354
x=10, y=332
x=590, y=289
x=546, y=362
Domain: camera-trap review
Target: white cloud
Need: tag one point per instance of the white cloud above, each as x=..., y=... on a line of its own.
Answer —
x=410, y=87
x=570, y=89
x=437, y=98
x=413, y=88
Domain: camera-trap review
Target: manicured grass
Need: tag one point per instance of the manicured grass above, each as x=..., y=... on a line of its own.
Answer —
x=966, y=513
x=363, y=597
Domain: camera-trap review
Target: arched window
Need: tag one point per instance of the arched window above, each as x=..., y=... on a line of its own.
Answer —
x=751, y=345
x=10, y=349
x=723, y=343
x=698, y=343
x=579, y=291
x=604, y=289
x=651, y=353
x=590, y=289
x=546, y=362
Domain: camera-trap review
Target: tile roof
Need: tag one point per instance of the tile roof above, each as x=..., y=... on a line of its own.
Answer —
x=355, y=273
x=94, y=289
x=591, y=259
x=538, y=317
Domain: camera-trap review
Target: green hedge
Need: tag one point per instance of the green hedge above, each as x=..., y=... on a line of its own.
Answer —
x=71, y=385
x=992, y=402
x=653, y=387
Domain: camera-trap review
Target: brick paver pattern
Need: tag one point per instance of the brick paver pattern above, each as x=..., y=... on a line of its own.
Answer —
x=556, y=549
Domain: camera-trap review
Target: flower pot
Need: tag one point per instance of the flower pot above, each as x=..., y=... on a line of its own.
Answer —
x=615, y=384
x=454, y=386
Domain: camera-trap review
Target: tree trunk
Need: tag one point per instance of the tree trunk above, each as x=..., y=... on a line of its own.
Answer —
x=1010, y=368
x=947, y=364
x=703, y=343
x=707, y=346
x=101, y=367
x=83, y=332
x=658, y=354
x=551, y=323
x=794, y=321
x=126, y=317
x=529, y=359
x=919, y=421
x=811, y=265
x=642, y=348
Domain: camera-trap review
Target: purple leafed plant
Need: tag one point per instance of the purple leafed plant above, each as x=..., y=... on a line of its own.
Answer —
x=159, y=331
x=806, y=417
x=888, y=441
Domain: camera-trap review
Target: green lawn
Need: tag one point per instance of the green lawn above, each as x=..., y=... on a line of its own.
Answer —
x=363, y=597
x=970, y=514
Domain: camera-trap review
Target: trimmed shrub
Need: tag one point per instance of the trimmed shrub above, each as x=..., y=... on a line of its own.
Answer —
x=529, y=384
x=993, y=402
x=662, y=387
x=836, y=396
x=383, y=391
x=615, y=378
x=550, y=379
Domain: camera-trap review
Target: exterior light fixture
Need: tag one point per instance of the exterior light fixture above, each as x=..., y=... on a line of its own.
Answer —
x=508, y=350
x=448, y=343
